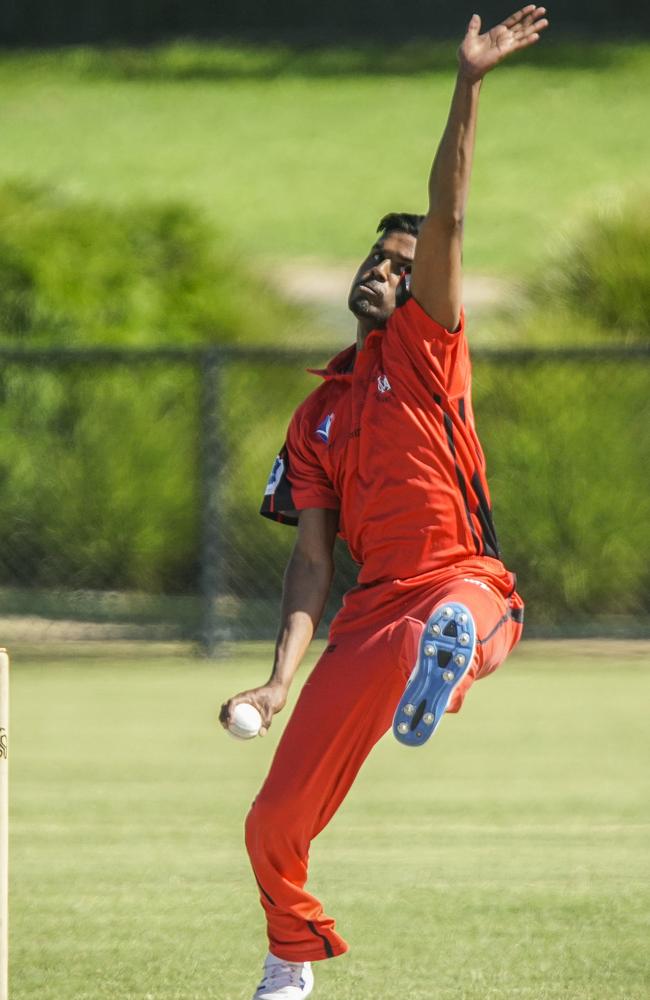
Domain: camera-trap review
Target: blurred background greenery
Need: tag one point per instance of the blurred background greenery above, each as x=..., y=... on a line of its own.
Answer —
x=292, y=154
x=193, y=193
x=187, y=177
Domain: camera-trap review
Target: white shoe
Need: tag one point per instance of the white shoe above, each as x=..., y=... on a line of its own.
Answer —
x=285, y=980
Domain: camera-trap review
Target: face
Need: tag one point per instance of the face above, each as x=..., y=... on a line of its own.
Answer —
x=372, y=296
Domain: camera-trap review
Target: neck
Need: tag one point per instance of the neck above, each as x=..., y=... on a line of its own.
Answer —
x=364, y=327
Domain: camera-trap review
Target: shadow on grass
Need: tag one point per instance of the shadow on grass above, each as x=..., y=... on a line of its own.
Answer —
x=236, y=60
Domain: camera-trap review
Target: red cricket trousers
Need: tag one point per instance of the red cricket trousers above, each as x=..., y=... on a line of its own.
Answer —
x=345, y=707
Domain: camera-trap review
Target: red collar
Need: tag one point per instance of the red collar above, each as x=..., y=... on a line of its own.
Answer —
x=342, y=363
x=340, y=366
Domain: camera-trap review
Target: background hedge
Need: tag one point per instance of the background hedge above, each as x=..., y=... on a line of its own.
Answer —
x=99, y=484
x=99, y=469
x=38, y=22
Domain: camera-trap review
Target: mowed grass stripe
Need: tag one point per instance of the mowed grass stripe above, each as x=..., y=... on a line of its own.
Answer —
x=296, y=166
x=506, y=859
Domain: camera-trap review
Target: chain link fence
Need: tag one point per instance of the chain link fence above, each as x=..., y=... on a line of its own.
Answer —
x=130, y=482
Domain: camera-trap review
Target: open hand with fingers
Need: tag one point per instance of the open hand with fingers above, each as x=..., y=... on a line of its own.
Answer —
x=479, y=53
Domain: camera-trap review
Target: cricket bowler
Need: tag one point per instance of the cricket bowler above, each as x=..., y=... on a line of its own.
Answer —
x=385, y=454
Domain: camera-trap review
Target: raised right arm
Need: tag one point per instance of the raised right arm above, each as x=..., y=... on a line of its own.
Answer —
x=307, y=582
x=437, y=269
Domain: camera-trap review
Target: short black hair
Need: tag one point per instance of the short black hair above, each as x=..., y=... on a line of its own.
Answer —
x=400, y=222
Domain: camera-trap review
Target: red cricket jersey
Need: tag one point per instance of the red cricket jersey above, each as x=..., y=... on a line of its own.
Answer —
x=389, y=440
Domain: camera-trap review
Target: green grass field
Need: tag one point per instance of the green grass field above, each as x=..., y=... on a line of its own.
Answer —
x=507, y=859
x=297, y=163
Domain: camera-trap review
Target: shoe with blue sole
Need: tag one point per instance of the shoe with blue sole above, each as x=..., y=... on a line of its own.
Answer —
x=445, y=655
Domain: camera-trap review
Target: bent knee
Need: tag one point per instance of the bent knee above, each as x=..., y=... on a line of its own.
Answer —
x=267, y=820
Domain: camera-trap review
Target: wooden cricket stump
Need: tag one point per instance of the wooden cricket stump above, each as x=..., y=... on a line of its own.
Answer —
x=4, y=825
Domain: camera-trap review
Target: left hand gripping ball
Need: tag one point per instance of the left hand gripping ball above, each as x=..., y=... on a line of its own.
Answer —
x=245, y=722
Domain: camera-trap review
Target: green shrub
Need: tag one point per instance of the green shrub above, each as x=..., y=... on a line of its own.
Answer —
x=604, y=276
x=99, y=465
x=568, y=452
x=98, y=477
x=554, y=323
x=84, y=273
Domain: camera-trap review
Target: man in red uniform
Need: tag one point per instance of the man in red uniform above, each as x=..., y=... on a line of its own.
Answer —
x=385, y=453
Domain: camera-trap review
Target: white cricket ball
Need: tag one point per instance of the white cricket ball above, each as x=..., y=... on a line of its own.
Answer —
x=245, y=721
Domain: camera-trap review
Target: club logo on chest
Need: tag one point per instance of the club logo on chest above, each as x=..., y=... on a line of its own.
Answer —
x=384, y=393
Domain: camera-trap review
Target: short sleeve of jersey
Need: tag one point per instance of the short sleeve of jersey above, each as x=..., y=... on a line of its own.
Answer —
x=439, y=355
x=298, y=480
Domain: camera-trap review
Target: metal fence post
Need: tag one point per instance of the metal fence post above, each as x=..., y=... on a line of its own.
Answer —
x=212, y=455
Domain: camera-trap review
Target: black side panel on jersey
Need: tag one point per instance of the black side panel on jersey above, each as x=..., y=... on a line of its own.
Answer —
x=487, y=544
x=278, y=502
x=484, y=514
x=460, y=478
